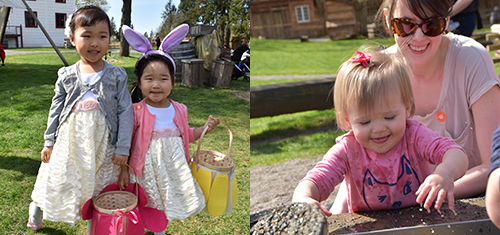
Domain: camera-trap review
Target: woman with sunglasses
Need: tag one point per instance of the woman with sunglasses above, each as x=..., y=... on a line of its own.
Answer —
x=454, y=82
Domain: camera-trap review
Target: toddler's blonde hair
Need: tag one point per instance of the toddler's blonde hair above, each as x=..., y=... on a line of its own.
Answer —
x=362, y=87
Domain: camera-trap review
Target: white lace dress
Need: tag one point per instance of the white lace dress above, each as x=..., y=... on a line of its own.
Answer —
x=167, y=179
x=65, y=184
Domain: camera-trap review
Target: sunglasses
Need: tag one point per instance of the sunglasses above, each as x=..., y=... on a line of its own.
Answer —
x=406, y=27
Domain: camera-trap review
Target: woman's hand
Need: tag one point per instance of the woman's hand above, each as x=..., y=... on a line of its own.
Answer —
x=46, y=153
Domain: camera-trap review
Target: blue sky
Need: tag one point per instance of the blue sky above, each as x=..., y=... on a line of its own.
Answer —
x=146, y=14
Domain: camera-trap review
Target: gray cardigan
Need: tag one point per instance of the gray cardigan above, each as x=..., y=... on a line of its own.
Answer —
x=112, y=94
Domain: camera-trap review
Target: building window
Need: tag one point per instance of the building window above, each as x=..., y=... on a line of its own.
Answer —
x=60, y=20
x=61, y=1
x=302, y=14
x=29, y=21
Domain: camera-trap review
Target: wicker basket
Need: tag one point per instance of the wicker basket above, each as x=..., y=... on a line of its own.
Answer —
x=214, y=160
x=115, y=202
x=214, y=172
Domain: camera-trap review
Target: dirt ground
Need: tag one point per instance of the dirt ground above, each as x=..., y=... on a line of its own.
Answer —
x=272, y=185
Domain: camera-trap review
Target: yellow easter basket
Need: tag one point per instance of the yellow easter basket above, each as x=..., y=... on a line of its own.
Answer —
x=214, y=172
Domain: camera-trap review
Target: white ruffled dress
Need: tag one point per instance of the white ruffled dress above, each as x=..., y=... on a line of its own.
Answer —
x=166, y=177
x=65, y=184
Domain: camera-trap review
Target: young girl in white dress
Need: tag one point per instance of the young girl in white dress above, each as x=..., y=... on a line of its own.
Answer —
x=90, y=124
x=159, y=155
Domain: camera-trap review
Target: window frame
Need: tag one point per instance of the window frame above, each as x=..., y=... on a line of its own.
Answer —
x=302, y=14
x=64, y=21
x=26, y=15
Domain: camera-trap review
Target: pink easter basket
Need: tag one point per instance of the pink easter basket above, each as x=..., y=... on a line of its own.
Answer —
x=122, y=212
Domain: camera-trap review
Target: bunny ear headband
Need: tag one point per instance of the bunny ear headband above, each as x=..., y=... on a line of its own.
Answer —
x=142, y=44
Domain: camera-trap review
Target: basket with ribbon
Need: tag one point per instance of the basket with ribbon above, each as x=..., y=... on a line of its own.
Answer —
x=214, y=172
x=114, y=211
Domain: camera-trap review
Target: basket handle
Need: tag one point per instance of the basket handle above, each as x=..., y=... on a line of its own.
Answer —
x=203, y=134
x=136, y=180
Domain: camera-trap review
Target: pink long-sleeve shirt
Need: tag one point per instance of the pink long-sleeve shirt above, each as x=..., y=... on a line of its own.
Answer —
x=378, y=181
x=143, y=129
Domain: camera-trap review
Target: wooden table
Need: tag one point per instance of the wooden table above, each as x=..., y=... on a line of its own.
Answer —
x=471, y=218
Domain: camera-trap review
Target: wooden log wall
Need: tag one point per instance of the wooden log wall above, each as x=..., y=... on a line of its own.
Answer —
x=272, y=100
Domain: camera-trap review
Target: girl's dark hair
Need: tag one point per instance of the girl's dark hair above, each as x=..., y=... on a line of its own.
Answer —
x=88, y=16
x=136, y=93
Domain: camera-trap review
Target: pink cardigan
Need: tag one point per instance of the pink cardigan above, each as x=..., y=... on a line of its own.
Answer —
x=143, y=129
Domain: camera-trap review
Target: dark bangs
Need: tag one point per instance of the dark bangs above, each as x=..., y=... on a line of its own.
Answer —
x=425, y=9
x=89, y=16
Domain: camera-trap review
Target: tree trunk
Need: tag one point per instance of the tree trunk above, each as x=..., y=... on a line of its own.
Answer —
x=227, y=39
x=126, y=20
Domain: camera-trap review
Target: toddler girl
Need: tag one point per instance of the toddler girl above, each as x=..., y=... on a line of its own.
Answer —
x=385, y=158
x=159, y=153
x=90, y=124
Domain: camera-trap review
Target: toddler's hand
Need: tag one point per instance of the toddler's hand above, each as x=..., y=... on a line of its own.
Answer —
x=436, y=188
x=46, y=153
x=119, y=159
x=123, y=178
x=314, y=202
x=212, y=123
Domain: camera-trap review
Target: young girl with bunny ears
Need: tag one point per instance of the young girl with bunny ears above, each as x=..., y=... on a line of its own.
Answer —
x=159, y=155
x=385, y=158
x=90, y=124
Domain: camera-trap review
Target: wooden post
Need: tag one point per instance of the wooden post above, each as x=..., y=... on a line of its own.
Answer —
x=45, y=32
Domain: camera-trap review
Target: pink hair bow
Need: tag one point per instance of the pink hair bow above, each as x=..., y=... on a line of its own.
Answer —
x=361, y=58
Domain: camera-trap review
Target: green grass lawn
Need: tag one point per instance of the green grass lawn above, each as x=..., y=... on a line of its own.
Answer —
x=281, y=57
x=25, y=97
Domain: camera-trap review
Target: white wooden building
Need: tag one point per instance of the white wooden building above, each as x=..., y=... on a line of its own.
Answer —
x=23, y=31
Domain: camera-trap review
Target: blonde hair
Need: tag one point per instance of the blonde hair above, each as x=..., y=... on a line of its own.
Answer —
x=363, y=87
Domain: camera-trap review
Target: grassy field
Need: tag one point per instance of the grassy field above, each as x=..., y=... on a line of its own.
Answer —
x=25, y=97
x=305, y=134
x=281, y=57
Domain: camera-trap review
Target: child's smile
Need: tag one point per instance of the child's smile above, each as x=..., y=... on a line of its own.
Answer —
x=156, y=84
x=384, y=127
x=91, y=42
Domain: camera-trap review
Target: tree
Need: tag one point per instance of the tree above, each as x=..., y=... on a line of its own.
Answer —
x=172, y=17
x=126, y=20
x=227, y=14
x=239, y=16
x=103, y=4
x=114, y=31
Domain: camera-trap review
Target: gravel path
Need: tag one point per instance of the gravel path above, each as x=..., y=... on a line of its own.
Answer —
x=272, y=185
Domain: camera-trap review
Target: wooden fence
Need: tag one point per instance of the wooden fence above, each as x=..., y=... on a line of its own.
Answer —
x=272, y=100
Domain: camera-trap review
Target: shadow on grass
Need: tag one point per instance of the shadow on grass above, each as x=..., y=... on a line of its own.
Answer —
x=22, y=85
x=24, y=165
x=273, y=135
x=52, y=231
